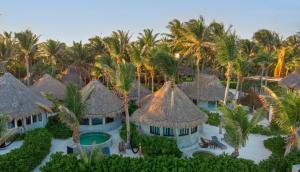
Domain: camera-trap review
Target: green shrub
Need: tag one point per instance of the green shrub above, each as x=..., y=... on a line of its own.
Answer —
x=202, y=154
x=36, y=146
x=152, y=145
x=132, y=107
x=116, y=163
x=276, y=163
x=213, y=119
x=261, y=130
x=276, y=145
x=58, y=129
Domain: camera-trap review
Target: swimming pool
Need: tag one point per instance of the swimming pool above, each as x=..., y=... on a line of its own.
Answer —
x=97, y=138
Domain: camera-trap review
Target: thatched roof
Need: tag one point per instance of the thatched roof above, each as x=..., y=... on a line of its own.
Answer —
x=17, y=100
x=186, y=70
x=76, y=75
x=133, y=92
x=50, y=85
x=157, y=110
x=291, y=81
x=210, y=88
x=102, y=101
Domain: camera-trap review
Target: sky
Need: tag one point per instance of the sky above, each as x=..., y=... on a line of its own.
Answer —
x=75, y=20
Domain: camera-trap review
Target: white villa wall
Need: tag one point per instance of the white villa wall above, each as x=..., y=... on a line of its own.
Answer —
x=102, y=127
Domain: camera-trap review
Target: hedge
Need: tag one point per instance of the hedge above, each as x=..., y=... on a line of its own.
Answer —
x=114, y=163
x=276, y=145
x=36, y=146
x=58, y=129
x=152, y=145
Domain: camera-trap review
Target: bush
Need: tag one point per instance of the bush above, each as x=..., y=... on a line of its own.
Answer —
x=36, y=146
x=213, y=119
x=58, y=129
x=132, y=107
x=276, y=163
x=276, y=145
x=261, y=130
x=152, y=145
x=116, y=163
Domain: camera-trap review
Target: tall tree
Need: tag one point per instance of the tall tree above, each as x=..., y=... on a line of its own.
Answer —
x=52, y=50
x=28, y=47
x=238, y=126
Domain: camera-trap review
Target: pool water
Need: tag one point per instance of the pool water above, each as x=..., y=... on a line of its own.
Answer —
x=90, y=138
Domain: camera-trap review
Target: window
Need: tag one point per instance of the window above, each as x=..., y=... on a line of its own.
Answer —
x=211, y=104
x=40, y=117
x=34, y=118
x=28, y=120
x=194, y=130
x=84, y=121
x=97, y=121
x=11, y=124
x=168, y=132
x=154, y=130
x=109, y=120
x=183, y=131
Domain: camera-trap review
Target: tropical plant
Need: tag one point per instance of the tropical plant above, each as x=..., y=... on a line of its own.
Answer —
x=124, y=76
x=3, y=124
x=286, y=113
x=73, y=100
x=237, y=125
x=27, y=42
x=242, y=67
x=52, y=50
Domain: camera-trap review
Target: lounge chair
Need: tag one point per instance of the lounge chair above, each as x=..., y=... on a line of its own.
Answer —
x=216, y=141
x=205, y=143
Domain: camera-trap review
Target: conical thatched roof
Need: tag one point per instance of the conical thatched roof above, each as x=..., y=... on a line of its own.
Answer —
x=18, y=101
x=50, y=85
x=133, y=92
x=102, y=102
x=210, y=88
x=291, y=81
x=76, y=75
x=156, y=109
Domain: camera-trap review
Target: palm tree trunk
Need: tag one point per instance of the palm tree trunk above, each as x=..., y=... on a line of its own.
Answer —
x=261, y=78
x=76, y=139
x=139, y=83
x=127, y=118
x=228, y=76
x=27, y=70
x=152, y=80
x=52, y=65
x=291, y=140
x=197, y=80
x=239, y=77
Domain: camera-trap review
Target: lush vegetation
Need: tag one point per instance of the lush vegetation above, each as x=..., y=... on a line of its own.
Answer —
x=58, y=129
x=152, y=146
x=202, y=154
x=276, y=145
x=36, y=146
x=154, y=164
x=213, y=119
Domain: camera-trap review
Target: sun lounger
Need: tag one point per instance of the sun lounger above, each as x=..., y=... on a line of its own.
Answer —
x=218, y=143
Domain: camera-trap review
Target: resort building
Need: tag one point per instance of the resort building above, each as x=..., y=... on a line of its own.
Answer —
x=169, y=112
x=133, y=92
x=210, y=91
x=49, y=85
x=76, y=75
x=103, y=109
x=20, y=104
x=292, y=81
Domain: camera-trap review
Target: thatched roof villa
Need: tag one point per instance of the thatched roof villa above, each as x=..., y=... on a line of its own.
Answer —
x=180, y=118
x=291, y=81
x=50, y=85
x=210, y=91
x=133, y=92
x=103, y=109
x=19, y=103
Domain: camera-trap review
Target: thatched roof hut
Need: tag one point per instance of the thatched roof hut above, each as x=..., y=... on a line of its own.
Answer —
x=102, y=102
x=50, y=85
x=17, y=100
x=76, y=75
x=210, y=88
x=186, y=71
x=133, y=92
x=292, y=81
x=157, y=110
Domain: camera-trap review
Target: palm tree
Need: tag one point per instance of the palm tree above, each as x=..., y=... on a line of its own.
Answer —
x=97, y=46
x=117, y=45
x=136, y=60
x=148, y=41
x=193, y=38
x=286, y=113
x=241, y=66
x=228, y=53
x=28, y=47
x=73, y=100
x=52, y=50
x=238, y=126
x=124, y=76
